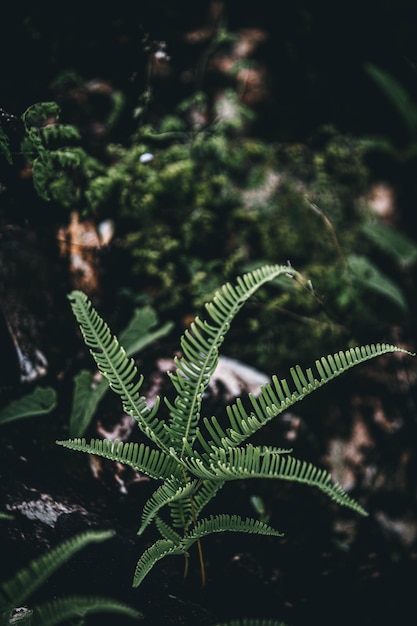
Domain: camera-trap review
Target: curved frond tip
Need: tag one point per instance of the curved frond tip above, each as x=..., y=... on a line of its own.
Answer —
x=200, y=345
x=260, y=462
x=117, y=368
x=279, y=395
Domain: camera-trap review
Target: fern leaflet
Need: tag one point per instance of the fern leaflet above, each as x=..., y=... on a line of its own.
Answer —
x=16, y=590
x=119, y=370
x=200, y=345
x=64, y=609
x=156, y=552
x=152, y=462
x=263, y=462
x=172, y=490
x=278, y=397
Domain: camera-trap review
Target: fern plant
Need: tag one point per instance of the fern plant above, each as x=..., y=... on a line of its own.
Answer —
x=17, y=590
x=192, y=455
x=55, y=167
x=138, y=334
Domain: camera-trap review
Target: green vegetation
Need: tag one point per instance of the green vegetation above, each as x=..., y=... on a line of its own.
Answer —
x=197, y=200
x=15, y=592
x=193, y=456
x=40, y=401
x=196, y=203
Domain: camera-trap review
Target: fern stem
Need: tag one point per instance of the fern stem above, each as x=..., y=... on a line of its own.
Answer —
x=199, y=546
x=186, y=564
x=202, y=566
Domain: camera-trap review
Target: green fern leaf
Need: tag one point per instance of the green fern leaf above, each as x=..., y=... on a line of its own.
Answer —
x=278, y=397
x=200, y=345
x=181, y=512
x=63, y=609
x=136, y=336
x=166, y=531
x=37, y=114
x=119, y=370
x=16, y=590
x=59, y=132
x=227, y=523
x=149, y=461
x=263, y=462
x=206, y=492
x=172, y=490
x=156, y=552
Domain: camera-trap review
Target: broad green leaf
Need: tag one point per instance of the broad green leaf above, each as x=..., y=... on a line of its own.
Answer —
x=366, y=275
x=395, y=244
x=138, y=334
x=85, y=401
x=42, y=400
x=395, y=92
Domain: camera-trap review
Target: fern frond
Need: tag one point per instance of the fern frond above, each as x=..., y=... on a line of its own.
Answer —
x=16, y=590
x=277, y=396
x=149, y=461
x=37, y=114
x=119, y=370
x=59, y=132
x=262, y=462
x=173, y=489
x=63, y=609
x=166, y=531
x=200, y=345
x=206, y=492
x=181, y=512
x=156, y=552
x=208, y=526
x=227, y=523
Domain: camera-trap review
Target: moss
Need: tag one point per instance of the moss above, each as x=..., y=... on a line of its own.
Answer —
x=194, y=207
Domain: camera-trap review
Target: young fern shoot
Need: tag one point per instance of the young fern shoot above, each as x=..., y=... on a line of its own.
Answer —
x=191, y=455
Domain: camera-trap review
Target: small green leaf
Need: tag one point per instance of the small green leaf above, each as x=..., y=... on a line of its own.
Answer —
x=137, y=335
x=63, y=609
x=398, y=95
x=19, y=588
x=395, y=244
x=85, y=401
x=366, y=275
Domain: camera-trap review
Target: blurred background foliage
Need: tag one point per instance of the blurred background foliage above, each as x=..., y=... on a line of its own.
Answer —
x=216, y=137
